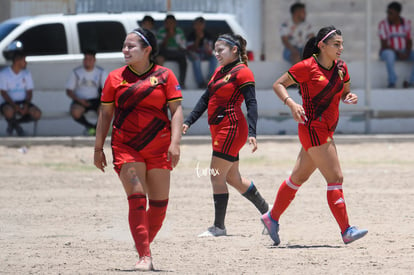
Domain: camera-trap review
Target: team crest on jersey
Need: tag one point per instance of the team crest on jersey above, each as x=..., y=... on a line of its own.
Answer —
x=154, y=81
x=227, y=78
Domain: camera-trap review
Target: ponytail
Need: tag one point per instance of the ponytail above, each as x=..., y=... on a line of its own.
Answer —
x=242, y=49
x=310, y=48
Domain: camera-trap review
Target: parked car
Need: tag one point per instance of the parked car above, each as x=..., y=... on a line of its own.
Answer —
x=54, y=43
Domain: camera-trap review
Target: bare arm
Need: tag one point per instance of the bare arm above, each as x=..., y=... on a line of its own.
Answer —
x=279, y=87
x=176, y=126
x=104, y=121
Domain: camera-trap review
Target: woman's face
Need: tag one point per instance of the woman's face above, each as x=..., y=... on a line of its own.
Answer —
x=132, y=50
x=224, y=53
x=333, y=47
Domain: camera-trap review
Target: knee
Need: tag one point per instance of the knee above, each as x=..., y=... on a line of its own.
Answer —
x=8, y=112
x=36, y=114
x=388, y=55
x=339, y=178
x=76, y=113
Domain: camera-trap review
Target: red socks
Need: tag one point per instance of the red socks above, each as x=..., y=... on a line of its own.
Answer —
x=138, y=223
x=156, y=214
x=337, y=205
x=284, y=197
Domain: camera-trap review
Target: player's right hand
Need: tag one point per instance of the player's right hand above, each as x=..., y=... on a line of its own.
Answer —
x=185, y=128
x=99, y=160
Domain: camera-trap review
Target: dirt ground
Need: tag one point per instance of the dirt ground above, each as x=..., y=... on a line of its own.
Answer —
x=60, y=215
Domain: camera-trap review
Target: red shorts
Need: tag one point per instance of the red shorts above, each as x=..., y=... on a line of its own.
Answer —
x=228, y=140
x=154, y=154
x=315, y=134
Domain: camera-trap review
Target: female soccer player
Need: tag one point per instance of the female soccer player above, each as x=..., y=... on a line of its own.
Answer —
x=231, y=83
x=324, y=81
x=145, y=143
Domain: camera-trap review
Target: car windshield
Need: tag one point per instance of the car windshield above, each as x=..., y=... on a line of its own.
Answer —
x=6, y=28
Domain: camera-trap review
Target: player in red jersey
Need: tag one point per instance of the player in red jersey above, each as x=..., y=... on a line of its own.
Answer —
x=324, y=81
x=145, y=143
x=231, y=84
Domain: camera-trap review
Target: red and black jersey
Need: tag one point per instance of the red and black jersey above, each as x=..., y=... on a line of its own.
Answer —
x=225, y=95
x=321, y=88
x=140, y=102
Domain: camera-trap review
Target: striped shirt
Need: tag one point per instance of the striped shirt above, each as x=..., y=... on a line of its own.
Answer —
x=396, y=35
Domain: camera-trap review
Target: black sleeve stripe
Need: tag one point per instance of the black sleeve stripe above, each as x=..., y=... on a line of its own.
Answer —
x=291, y=76
x=246, y=84
x=175, y=99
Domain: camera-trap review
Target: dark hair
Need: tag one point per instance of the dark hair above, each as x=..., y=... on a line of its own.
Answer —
x=148, y=18
x=238, y=41
x=311, y=46
x=150, y=38
x=17, y=55
x=170, y=16
x=89, y=52
x=395, y=6
x=200, y=19
x=296, y=6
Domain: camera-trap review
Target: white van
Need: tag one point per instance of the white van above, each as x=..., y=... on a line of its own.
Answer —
x=54, y=45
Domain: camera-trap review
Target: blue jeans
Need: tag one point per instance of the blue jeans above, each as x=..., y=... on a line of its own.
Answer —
x=287, y=54
x=389, y=57
x=196, y=60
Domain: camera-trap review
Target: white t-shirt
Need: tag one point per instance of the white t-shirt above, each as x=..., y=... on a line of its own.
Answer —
x=298, y=34
x=86, y=84
x=14, y=84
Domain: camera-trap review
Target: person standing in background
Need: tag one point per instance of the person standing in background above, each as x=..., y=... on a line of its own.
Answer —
x=231, y=84
x=294, y=33
x=84, y=88
x=396, y=43
x=16, y=88
x=200, y=48
x=171, y=40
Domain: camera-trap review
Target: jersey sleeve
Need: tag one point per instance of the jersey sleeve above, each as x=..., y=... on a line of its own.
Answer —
x=245, y=77
x=108, y=91
x=71, y=83
x=300, y=72
x=173, y=89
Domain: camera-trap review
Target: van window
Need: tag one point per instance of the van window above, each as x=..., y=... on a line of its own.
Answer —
x=102, y=36
x=6, y=28
x=44, y=39
x=214, y=27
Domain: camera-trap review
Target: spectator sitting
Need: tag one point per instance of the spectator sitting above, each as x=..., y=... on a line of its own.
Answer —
x=294, y=33
x=84, y=88
x=148, y=23
x=200, y=47
x=171, y=40
x=396, y=43
x=16, y=86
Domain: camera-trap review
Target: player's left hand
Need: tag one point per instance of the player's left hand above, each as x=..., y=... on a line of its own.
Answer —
x=173, y=154
x=253, y=142
x=351, y=99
